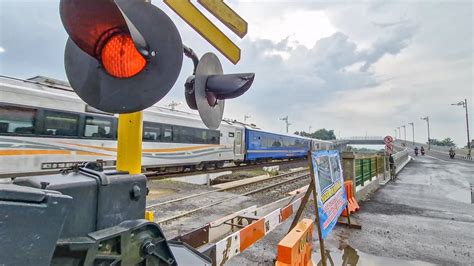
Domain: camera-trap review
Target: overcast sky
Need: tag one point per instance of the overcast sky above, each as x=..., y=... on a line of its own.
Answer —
x=358, y=68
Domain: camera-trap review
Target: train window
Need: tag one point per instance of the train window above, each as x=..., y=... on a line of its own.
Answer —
x=185, y=135
x=266, y=142
x=214, y=137
x=238, y=140
x=97, y=127
x=176, y=134
x=276, y=143
x=201, y=135
x=60, y=124
x=151, y=131
x=167, y=134
x=17, y=120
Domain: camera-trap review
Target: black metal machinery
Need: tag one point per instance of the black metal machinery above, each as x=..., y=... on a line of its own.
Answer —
x=83, y=216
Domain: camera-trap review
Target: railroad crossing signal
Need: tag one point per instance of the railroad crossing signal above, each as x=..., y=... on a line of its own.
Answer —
x=122, y=56
x=189, y=13
x=207, y=90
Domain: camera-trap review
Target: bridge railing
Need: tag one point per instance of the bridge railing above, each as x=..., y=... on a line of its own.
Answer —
x=368, y=168
x=401, y=159
x=362, y=138
x=363, y=170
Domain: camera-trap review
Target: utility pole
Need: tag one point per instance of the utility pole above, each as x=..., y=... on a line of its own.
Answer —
x=412, y=124
x=464, y=105
x=427, y=119
x=245, y=118
x=405, y=134
x=399, y=133
x=173, y=105
x=286, y=122
x=309, y=132
x=395, y=136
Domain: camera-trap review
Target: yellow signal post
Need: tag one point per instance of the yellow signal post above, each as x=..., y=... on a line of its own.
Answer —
x=129, y=146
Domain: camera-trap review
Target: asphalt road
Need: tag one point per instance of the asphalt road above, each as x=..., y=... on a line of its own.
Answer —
x=426, y=214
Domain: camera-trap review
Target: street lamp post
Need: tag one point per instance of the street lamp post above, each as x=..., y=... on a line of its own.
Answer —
x=286, y=122
x=405, y=134
x=399, y=133
x=395, y=136
x=427, y=119
x=464, y=105
x=412, y=124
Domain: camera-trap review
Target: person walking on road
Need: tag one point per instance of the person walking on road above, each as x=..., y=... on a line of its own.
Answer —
x=392, y=167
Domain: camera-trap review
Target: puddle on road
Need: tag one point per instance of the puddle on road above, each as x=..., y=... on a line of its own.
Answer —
x=351, y=257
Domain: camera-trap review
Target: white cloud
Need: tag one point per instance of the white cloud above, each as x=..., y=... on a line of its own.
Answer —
x=2, y=50
x=302, y=27
x=353, y=67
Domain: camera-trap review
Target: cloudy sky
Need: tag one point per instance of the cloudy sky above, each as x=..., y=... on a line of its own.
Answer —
x=358, y=68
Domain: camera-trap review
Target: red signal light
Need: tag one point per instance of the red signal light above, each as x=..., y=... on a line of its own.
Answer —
x=121, y=58
x=115, y=50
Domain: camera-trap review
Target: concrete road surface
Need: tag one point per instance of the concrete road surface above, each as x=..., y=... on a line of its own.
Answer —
x=426, y=214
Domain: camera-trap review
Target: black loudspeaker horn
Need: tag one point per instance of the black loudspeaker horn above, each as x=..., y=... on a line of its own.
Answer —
x=207, y=90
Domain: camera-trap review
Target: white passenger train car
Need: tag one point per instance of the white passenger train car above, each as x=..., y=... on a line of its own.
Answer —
x=44, y=126
x=318, y=144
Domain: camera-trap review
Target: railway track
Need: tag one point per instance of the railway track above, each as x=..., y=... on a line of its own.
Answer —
x=239, y=189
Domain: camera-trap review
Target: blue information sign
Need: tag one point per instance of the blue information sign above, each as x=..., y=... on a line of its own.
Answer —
x=329, y=183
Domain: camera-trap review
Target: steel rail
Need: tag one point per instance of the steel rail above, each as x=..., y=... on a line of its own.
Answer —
x=223, y=189
x=228, y=199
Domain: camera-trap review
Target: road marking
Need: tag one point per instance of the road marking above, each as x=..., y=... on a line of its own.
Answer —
x=436, y=158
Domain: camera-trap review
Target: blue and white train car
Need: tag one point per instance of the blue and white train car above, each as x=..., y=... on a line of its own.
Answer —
x=265, y=146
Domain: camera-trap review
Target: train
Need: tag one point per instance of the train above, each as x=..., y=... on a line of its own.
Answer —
x=45, y=126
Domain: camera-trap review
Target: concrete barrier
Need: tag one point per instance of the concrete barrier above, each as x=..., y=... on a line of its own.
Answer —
x=401, y=159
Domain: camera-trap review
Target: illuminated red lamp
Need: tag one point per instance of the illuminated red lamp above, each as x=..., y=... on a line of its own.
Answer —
x=121, y=58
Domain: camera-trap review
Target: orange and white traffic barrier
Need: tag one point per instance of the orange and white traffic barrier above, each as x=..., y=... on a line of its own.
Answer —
x=352, y=204
x=257, y=228
x=296, y=247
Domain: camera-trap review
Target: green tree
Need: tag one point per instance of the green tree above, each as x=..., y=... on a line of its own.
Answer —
x=322, y=134
x=447, y=142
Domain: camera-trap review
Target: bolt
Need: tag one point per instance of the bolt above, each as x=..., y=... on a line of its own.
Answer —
x=149, y=248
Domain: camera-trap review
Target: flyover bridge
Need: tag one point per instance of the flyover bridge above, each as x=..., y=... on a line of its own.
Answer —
x=359, y=140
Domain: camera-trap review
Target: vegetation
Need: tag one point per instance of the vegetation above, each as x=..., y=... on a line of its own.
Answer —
x=322, y=134
x=447, y=142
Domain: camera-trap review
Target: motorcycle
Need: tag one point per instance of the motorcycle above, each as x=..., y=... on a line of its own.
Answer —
x=416, y=152
x=422, y=151
x=452, y=154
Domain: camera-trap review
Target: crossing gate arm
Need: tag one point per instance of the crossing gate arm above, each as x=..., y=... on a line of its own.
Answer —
x=229, y=236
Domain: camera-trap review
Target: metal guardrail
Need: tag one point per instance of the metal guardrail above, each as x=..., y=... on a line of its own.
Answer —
x=362, y=138
x=368, y=168
x=400, y=159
